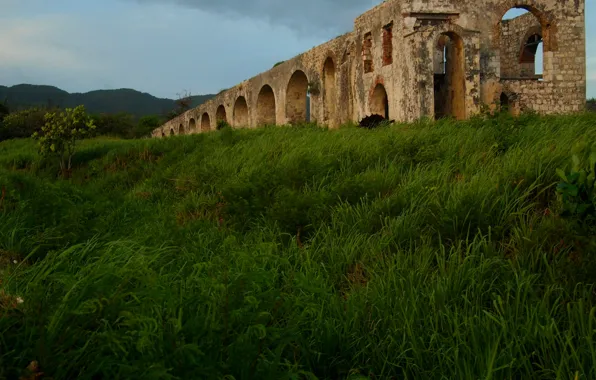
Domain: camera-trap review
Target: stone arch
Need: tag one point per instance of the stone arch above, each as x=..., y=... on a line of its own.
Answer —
x=544, y=34
x=192, y=125
x=546, y=19
x=530, y=44
x=240, y=114
x=266, y=106
x=504, y=101
x=163, y=134
x=329, y=90
x=181, y=129
x=450, y=76
x=379, y=101
x=205, y=122
x=220, y=114
x=509, y=100
x=296, y=98
x=525, y=54
x=172, y=133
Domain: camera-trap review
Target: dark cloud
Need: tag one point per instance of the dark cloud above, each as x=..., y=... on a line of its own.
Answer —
x=306, y=17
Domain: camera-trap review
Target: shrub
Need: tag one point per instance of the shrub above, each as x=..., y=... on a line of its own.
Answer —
x=4, y=111
x=146, y=125
x=221, y=124
x=118, y=125
x=578, y=191
x=22, y=124
x=60, y=133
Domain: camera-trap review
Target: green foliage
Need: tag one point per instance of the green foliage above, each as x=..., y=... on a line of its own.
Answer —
x=278, y=63
x=22, y=123
x=414, y=251
x=591, y=105
x=577, y=189
x=4, y=110
x=60, y=133
x=221, y=124
x=146, y=125
x=118, y=125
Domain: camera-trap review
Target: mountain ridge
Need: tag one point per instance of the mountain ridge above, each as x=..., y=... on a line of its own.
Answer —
x=111, y=101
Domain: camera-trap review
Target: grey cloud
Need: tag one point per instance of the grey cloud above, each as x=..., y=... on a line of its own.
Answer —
x=305, y=17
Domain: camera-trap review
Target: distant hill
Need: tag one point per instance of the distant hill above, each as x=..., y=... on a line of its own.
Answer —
x=99, y=101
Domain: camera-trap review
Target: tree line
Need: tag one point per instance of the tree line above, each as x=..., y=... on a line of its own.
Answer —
x=22, y=123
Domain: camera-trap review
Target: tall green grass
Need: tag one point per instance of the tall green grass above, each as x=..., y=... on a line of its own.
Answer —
x=418, y=251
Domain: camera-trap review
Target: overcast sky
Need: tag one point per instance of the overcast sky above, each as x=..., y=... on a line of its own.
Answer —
x=166, y=46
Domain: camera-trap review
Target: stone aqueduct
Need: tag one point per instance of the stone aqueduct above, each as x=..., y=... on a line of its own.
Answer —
x=407, y=59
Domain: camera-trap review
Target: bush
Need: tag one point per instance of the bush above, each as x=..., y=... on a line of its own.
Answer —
x=146, y=125
x=221, y=124
x=4, y=111
x=578, y=191
x=60, y=133
x=118, y=125
x=22, y=124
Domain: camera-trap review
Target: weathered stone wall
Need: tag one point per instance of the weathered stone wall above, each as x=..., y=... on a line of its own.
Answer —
x=516, y=61
x=407, y=59
x=563, y=88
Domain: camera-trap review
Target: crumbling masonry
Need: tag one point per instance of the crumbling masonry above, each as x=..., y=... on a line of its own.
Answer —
x=407, y=59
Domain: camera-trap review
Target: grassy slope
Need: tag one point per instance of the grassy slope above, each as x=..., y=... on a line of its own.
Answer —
x=424, y=251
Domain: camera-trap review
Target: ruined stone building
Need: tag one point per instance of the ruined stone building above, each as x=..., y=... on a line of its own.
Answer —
x=407, y=59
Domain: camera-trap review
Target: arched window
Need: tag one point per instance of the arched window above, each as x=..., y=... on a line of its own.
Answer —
x=521, y=44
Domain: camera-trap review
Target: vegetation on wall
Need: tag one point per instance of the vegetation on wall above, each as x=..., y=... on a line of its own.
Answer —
x=421, y=251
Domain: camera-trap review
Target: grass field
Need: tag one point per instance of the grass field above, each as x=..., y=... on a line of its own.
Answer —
x=419, y=251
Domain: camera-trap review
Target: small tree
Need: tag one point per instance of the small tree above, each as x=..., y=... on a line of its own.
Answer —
x=60, y=133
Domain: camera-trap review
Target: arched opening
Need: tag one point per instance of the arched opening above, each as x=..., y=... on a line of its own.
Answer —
x=163, y=134
x=521, y=44
x=172, y=133
x=205, y=122
x=297, y=99
x=266, y=106
x=240, y=113
x=330, y=92
x=504, y=101
x=532, y=56
x=379, y=102
x=181, y=129
x=220, y=114
x=449, y=77
x=192, y=125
